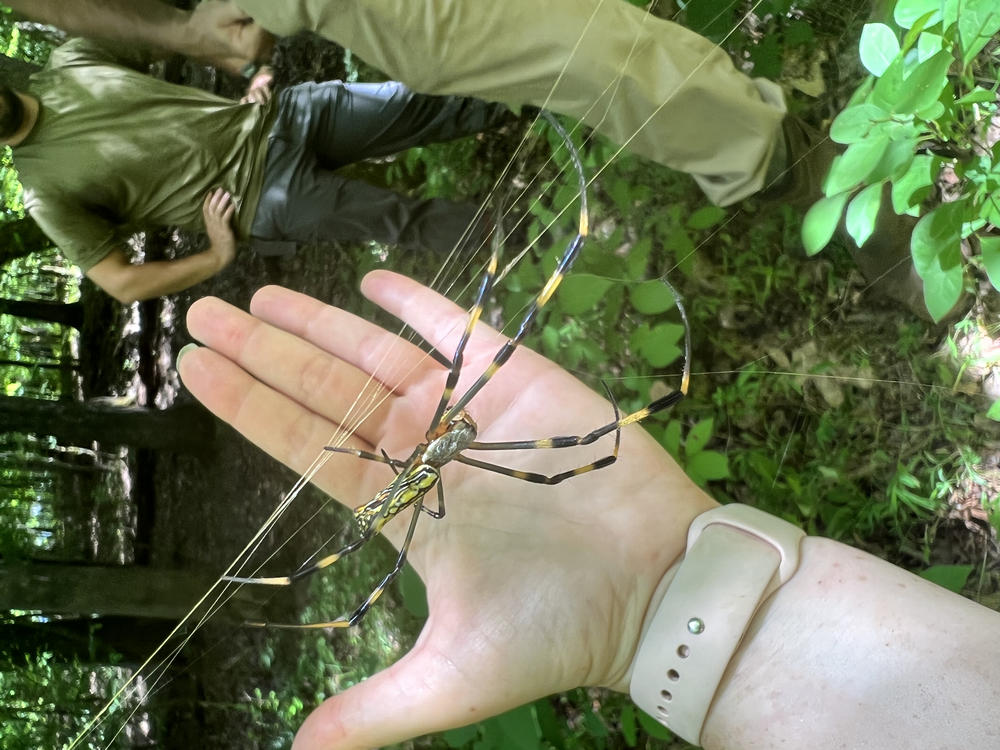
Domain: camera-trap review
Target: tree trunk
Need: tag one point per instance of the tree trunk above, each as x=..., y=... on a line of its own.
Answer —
x=185, y=428
x=66, y=314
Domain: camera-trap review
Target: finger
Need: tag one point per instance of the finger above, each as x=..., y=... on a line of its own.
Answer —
x=422, y=692
x=439, y=320
x=323, y=384
x=399, y=364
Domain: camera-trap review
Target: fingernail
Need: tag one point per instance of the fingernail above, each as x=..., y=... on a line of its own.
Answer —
x=184, y=350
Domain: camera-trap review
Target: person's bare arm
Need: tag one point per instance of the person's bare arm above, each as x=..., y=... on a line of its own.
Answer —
x=542, y=588
x=217, y=31
x=129, y=282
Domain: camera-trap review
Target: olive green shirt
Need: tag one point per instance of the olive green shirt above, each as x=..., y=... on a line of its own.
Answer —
x=115, y=151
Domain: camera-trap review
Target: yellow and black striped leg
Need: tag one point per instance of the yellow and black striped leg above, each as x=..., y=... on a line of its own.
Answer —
x=568, y=441
x=320, y=564
x=354, y=617
x=456, y=362
x=563, y=267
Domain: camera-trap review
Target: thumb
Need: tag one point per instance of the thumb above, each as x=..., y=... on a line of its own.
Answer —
x=423, y=692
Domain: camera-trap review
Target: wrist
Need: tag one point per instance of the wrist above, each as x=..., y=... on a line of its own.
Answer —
x=655, y=553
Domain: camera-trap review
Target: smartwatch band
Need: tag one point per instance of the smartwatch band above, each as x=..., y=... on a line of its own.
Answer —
x=736, y=557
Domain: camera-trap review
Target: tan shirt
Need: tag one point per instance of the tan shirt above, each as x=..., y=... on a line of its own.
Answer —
x=115, y=150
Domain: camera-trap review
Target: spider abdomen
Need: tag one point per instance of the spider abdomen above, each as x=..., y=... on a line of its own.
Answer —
x=401, y=493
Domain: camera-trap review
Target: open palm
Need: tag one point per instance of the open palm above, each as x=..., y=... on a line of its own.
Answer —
x=532, y=589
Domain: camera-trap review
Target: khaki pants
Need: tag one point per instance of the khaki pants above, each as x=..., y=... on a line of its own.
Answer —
x=651, y=85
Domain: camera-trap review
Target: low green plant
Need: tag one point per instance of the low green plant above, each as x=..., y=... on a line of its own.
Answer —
x=919, y=118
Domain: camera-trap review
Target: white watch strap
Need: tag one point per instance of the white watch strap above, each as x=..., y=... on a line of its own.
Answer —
x=736, y=557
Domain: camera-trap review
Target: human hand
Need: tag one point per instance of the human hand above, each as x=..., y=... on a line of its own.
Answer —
x=218, y=210
x=221, y=33
x=532, y=589
x=259, y=91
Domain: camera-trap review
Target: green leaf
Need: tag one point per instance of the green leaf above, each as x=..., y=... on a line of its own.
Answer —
x=978, y=21
x=991, y=259
x=952, y=577
x=652, y=727
x=937, y=256
x=706, y=216
x=698, y=437
x=895, y=161
x=707, y=466
x=854, y=123
x=978, y=95
x=629, y=733
x=821, y=222
x=915, y=184
x=862, y=213
x=924, y=85
x=908, y=12
x=580, y=292
x=651, y=297
x=461, y=736
x=855, y=164
x=877, y=48
x=658, y=345
x=671, y=439
x=553, y=729
x=521, y=728
x=994, y=411
x=413, y=592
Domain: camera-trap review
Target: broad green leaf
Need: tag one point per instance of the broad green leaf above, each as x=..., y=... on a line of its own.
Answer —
x=929, y=45
x=671, y=439
x=698, y=436
x=550, y=341
x=705, y=217
x=923, y=86
x=907, y=12
x=978, y=22
x=877, y=48
x=413, y=592
x=580, y=292
x=951, y=577
x=653, y=728
x=937, y=238
x=651, y=297
x=521, y=728
x=707, y=466
x=890, y=88
x=991, y=259
x=854, y=123
x=658, y=345
x=937, y=256
x=994, y=411
x=553, y=729
x=628, y=725
x=855, y=164
x=798, y=32
x=915, y=184
x=638, y=257
x=895, y=160
x=862, y=213
x=461, y=736
x=942, y=289
x=821, y=222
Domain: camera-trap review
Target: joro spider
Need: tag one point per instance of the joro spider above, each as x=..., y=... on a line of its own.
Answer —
x=452, y=430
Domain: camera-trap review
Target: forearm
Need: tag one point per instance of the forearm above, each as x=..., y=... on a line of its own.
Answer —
x=136, y=282
x=855, y=652
x=149, y=22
